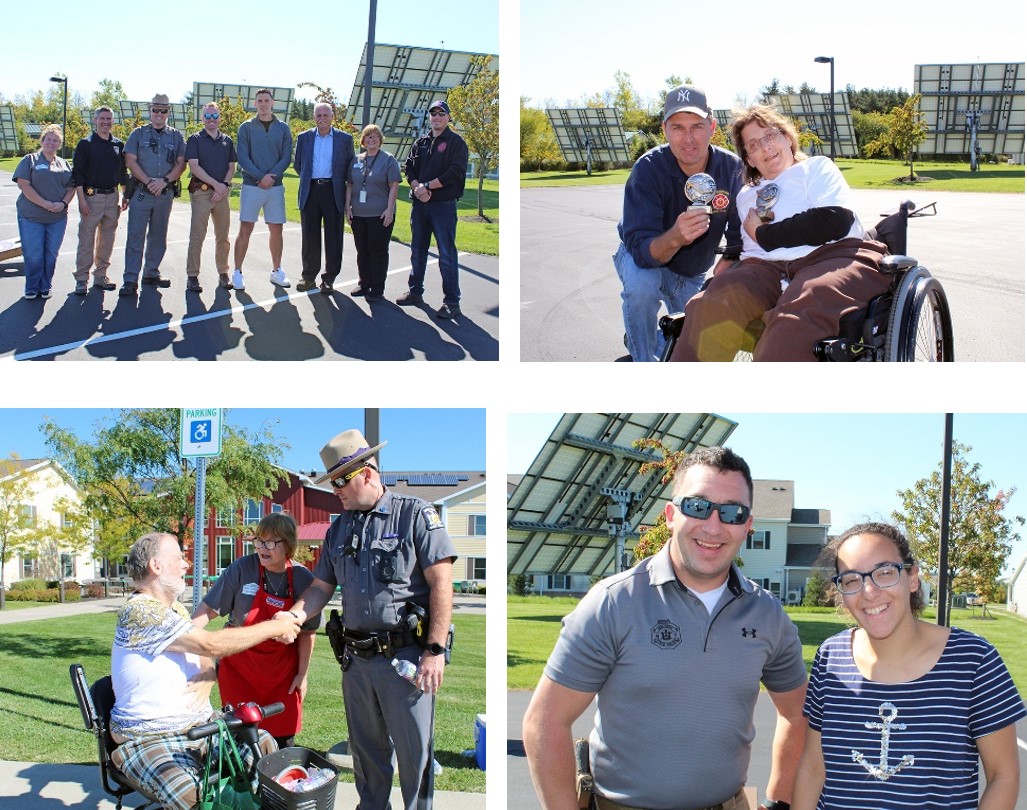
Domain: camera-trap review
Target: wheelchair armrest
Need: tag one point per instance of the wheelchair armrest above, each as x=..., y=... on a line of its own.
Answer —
x=897, y=264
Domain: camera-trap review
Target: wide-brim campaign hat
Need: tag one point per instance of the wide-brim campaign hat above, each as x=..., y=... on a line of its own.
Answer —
x=345, y=453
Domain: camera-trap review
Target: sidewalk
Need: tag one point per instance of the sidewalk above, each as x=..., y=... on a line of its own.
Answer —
x=35, y=786
x=42, y=786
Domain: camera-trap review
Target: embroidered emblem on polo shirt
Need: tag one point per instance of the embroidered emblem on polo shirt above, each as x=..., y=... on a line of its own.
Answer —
x=748, y=632
x=665, y=634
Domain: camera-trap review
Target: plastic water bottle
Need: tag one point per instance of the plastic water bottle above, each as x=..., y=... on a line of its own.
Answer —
x=316, y=777
x=405, y=669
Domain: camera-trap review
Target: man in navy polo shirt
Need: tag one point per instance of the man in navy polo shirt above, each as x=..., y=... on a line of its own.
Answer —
x=667, y=241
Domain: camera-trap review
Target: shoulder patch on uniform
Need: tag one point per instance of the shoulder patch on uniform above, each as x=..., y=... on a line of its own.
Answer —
x=431, y=517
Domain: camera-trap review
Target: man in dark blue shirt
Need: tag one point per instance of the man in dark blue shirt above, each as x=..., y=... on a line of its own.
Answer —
x=667, y=241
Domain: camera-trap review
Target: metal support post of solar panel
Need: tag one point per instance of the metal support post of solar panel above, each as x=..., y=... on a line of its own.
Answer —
x=590, y=134
x=991, y=95
x=559, y=516
x=813, y=111
x=404, y=81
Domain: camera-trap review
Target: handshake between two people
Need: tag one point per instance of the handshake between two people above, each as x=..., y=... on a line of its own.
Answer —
x=290, y=625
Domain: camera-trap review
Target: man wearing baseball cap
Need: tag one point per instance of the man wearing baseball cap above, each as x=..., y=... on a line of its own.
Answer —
x=393, y=559
x=435, y=170
x=667, y=241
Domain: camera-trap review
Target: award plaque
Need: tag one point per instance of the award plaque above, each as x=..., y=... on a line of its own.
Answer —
x=766, y=198
x=700, y=189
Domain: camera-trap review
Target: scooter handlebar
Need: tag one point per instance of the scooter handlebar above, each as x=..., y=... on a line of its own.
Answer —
x=233, y=722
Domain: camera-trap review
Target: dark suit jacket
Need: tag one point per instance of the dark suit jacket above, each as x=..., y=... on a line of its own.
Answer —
x=342, y=157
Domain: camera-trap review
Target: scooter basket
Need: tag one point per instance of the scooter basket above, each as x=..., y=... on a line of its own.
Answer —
x=276, y=797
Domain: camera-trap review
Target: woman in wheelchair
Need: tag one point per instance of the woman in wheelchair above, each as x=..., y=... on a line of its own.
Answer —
x=805, y=262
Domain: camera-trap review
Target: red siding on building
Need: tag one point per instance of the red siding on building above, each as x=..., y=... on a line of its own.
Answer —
x=297, y=496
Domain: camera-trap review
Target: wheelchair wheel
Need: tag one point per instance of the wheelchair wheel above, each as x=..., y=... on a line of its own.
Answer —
x=920, y=326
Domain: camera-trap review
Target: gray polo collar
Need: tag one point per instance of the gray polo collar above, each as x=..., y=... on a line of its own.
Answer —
x=661, y=572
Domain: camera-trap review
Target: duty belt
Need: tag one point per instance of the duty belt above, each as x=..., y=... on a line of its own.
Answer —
x=91, y=190
x=609, y=804
x=384, y=642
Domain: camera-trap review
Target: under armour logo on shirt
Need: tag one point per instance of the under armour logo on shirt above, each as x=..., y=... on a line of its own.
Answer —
x=747, y=632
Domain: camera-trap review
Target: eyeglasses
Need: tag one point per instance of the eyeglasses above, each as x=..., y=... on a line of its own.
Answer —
x=732, y=514
x=762, y=143
x=342, y=480
x=212, y=116
x=269, y=545
x=885, y=575
x=160, y=110
x=438, y=114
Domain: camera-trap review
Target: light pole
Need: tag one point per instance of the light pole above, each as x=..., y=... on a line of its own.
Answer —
x=825, y=60
x=64, y=128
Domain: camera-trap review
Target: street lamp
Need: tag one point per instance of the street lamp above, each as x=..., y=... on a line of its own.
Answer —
x=825, y=60
x=64, y=128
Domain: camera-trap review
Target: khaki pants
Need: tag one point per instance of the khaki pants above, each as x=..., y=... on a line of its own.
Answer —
x=96, y=232
x=740, y=801
x=202, y=212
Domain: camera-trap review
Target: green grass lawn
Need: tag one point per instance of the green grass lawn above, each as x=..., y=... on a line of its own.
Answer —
x=40, y=719
x=472, y=234
x=533, y=624
x=858, y=173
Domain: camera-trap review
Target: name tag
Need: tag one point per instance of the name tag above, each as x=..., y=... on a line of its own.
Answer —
x=363, y=195
x=249, y=589
x=278, y=603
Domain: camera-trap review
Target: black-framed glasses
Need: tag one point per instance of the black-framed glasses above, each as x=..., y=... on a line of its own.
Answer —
x=160, y=110
x=342, y=480
x=884, y=575
x=733, y=514
x=212, y=116
x=269, y=545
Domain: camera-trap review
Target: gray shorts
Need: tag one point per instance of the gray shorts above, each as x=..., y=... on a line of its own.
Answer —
x=254, y=198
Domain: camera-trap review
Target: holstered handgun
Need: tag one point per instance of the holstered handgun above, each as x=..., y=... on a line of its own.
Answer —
x=333, y=629
x=584, y=773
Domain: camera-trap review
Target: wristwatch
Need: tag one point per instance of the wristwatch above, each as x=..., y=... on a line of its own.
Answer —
x=770, y=804
x=436, y=649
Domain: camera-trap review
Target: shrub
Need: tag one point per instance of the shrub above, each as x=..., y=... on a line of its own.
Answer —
x=517, y=584
x=43, y=595
x=94, y=590
x=28, y=585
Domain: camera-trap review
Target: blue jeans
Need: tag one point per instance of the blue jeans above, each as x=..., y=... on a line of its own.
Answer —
x=644, y=289
x=40, y=244
x=437, y=218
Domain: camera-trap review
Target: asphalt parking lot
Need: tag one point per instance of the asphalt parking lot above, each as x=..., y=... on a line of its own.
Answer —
x=264, y=322
x=570, y=293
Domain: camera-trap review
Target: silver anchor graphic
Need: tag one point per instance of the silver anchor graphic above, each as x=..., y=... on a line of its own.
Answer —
x=884, y=771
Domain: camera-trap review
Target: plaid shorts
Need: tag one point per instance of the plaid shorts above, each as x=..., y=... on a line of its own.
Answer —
x=171, y=767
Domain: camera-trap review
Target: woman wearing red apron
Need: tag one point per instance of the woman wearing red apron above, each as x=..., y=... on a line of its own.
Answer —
x=253, y=589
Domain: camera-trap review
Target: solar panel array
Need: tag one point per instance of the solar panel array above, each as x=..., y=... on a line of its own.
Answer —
x=557, y=515
x=813, y=110
x=246, y=94
x=423, y=479
x=576, y=127
x=404, y=82
x=994, y=90
x=8, y=133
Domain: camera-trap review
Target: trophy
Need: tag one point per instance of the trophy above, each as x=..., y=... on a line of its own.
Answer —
x=700, y=189
x=766, y=198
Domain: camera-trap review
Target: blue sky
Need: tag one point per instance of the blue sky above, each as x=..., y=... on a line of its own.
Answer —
x=166, y=47
x=732, y=49
x=852, y=464
x=418, y=439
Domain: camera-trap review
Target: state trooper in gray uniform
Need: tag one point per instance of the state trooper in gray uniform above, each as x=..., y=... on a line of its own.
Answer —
x=393, y=559
x=155, y=155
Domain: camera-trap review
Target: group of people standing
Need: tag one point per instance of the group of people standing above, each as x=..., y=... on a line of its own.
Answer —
x=796, y=261
x=337, y=184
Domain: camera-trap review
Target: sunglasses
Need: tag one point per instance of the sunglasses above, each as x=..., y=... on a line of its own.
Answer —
x=732, y=514
x=438, y=114
x=212, y=116
x=342, y=480
x=160, y=110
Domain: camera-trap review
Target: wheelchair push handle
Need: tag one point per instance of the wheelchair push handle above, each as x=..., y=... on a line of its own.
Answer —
x=241, y=716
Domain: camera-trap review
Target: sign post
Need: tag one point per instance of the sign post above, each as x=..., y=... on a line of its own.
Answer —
x=200, y=440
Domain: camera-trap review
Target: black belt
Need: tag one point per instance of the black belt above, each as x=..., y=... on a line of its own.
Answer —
x=91, y=190
x=384, y=642
x=321, y=180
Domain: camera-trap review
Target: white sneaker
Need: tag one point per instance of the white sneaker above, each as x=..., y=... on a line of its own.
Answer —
x=237, y=282
x=278, y=277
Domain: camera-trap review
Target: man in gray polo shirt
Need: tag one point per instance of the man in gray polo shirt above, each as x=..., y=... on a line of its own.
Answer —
x=674, y=650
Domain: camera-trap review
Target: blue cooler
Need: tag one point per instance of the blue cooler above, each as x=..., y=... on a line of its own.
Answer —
x=479, y=740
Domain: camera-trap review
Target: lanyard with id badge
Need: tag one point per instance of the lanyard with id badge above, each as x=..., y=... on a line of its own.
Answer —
x=366, y=166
